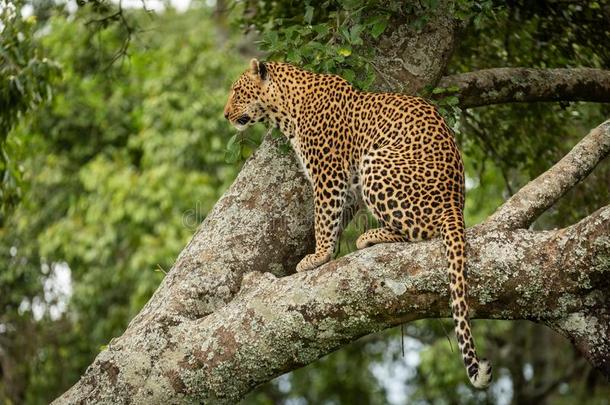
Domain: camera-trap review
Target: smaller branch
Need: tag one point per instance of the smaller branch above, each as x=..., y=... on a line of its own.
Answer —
x=541, y=193
x=129, y=30
x=106, y=19
x=117, y=17
x=510, y=85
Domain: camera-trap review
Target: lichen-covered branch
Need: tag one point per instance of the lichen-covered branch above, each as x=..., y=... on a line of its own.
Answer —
x=222, y=322
x=541, y=193
x=263, y=222
x=509, y=85
x=274, y=325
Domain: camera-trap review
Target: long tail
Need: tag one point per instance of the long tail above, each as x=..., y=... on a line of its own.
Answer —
x=452, y=231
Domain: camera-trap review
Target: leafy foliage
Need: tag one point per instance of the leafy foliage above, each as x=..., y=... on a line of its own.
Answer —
x=335, y=36
x=126, y=161
x=26, y=76
x=324, y=36
x=520, y=141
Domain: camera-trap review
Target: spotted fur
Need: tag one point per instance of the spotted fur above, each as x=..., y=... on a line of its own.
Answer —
x=393, y=151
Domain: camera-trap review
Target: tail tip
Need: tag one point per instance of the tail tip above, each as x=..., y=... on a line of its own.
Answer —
x=482, y=378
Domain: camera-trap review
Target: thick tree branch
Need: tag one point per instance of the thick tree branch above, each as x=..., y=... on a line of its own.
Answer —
x=509, y=85
x=264, y=222
x=222, y=323
x=274, y=325
x=538, y=195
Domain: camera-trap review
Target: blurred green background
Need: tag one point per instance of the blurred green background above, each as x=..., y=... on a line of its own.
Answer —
x=114, y=148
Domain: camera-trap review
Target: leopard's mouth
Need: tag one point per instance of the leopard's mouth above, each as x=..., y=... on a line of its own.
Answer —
x=243, y=120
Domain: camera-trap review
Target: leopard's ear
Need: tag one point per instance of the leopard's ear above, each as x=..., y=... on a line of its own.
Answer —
x=258, y=68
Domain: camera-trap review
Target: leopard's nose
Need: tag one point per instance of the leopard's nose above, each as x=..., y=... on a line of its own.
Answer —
x=226, y=115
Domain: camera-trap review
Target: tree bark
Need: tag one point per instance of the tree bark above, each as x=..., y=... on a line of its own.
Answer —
x=409, y=59
x=509, y=85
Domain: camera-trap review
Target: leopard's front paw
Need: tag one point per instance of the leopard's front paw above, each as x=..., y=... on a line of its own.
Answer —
x=312, y=261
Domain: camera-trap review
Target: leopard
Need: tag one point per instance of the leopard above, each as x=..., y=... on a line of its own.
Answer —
x=391, y=151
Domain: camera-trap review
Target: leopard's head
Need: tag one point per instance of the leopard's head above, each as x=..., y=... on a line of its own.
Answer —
x=245, y=106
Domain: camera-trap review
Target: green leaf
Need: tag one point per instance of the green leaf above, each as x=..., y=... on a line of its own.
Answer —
x=355, y=34
x=453, y=100
x=293, y=56
x=378, y=28
x=233, y=156
x=233, y=142
x=349, y=75
x=344, y=51
x=321, y=30
x=344, y=31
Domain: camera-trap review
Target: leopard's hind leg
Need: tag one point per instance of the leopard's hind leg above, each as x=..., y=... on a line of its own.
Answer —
x=396, y=198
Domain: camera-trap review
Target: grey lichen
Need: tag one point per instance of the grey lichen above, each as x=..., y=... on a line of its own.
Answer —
x=576, y=324
x=601, y=264
x=398, y=288
x=588, y=328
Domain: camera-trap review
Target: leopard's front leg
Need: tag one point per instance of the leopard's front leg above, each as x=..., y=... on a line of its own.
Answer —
x=329, y=201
